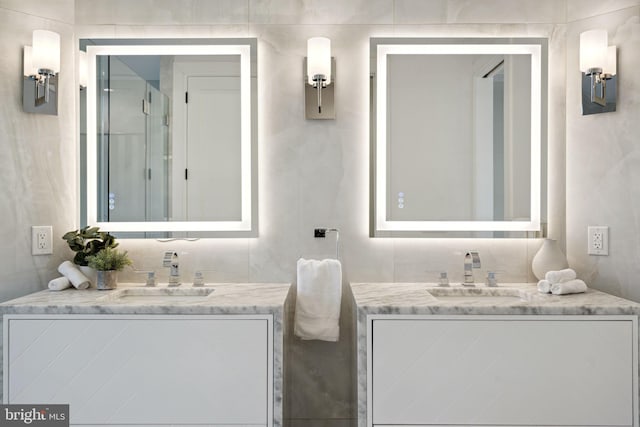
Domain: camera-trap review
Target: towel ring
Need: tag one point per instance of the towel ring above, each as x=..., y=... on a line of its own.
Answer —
x=335, y=230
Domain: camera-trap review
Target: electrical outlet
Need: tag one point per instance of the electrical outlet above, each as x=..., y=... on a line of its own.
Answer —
x=41, y=240
x=598, y=240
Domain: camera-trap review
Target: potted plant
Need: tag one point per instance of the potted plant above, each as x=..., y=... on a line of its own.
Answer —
x=86, y=242
x=108, y=262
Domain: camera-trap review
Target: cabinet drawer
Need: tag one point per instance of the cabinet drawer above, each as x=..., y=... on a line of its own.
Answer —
x=127, y=370
x=493, y=372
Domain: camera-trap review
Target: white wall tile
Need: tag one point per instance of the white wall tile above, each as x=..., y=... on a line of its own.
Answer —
x=603, y=160
x=420, y=12
x=181, y=31
x=479, y=11
x=37, y=166
x=422, y=260
x=471, y=30
x=556, y=136
x=321, y=12
x=164, y=12
x=581, y=9
x=56, y=10
x=506, y=11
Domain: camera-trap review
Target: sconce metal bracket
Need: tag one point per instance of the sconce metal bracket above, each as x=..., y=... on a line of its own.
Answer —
x=29, y=96
x=589, y=85
x=328, y=111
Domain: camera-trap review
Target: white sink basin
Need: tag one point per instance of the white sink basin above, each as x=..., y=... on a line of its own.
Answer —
x=480, y=294
x=182, y=294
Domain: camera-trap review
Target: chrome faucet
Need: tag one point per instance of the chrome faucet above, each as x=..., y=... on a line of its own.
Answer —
x=171, y=260
x=471, y=261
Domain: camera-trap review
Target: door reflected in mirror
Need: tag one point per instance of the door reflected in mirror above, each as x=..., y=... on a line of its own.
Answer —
x=170, y=138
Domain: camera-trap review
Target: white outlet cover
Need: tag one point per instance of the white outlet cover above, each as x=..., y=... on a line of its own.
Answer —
x=598, y=240
x=41, y=240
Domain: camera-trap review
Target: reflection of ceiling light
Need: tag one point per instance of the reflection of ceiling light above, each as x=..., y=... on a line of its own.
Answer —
x=107, y=90
x=597, y=60
x=41, y=65
x=83, y=72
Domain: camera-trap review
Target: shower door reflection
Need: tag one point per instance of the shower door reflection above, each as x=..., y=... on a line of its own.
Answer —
x=133, y=145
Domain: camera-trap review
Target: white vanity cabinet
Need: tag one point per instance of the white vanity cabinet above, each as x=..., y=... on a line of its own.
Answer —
x=502, y=370
x=143, y=369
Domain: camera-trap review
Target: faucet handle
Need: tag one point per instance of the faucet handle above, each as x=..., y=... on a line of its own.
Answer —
x=491, y=279
x=198, y=279
x=444, y=279
x=151, y=278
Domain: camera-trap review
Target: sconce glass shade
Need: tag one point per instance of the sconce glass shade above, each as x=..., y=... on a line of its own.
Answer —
x=610, y=63
x=28, y=68
x=319, y=58
x=83, y=72
x=46, y=50
x=593, y=49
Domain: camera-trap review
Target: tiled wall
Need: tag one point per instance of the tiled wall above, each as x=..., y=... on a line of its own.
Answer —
x=603, y=153
x=311, y=173
x=37, y=153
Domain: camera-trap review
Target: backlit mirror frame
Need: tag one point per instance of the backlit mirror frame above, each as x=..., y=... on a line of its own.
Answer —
x=380, y=225
x=246, y=49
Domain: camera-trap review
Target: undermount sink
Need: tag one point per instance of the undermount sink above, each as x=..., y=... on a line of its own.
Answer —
x=480, y=294
x=183, y=294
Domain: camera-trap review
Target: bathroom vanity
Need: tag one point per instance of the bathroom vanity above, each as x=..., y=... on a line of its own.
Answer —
x=150, y=356
x=494, y=356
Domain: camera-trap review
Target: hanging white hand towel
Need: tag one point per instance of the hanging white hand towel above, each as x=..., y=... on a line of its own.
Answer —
x=318, y=300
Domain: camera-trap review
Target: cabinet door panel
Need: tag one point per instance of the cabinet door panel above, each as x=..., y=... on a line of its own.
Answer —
x=149, y=371
x=496, y=372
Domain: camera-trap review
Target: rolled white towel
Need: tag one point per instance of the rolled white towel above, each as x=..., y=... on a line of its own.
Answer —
x=59, y=284
x=575, y=286
x=75, y=276
x=560, y=275
x=544, y=286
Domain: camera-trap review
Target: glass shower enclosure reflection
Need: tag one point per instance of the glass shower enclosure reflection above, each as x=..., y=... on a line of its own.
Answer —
x=133, y=141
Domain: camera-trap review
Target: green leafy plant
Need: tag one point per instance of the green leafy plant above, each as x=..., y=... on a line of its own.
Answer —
x=88, y=241
x=109, y=259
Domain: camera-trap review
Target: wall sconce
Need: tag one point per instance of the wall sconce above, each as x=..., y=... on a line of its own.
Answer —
x=319, y=81
x=40, y=75
x=598, y=65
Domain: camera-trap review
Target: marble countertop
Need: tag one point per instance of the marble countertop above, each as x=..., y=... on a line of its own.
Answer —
x=226, y=298
x=414, y=298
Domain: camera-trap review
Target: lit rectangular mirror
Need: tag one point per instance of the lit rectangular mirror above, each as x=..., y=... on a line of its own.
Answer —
x=458, y=137
x=169, y=137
